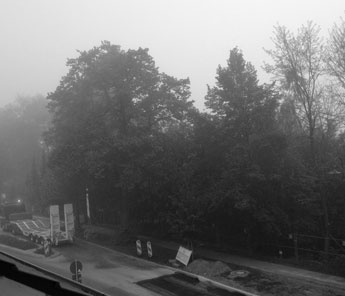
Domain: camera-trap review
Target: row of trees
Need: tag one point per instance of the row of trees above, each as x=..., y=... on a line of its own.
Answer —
x=21, y=148
x=251, y=169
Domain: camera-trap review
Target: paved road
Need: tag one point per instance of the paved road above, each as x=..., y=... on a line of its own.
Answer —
x=108, y=271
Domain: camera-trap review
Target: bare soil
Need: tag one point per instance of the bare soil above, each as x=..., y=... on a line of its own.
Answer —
x=269, y=284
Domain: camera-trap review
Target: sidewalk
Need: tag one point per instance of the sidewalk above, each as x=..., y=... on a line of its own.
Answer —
x=283, y=270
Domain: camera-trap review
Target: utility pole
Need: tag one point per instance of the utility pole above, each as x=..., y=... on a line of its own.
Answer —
x=88, y=206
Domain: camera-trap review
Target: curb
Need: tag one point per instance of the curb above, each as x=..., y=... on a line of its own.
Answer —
x=201, y=278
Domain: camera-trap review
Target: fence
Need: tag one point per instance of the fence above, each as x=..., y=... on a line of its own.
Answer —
x=105, y=216
x=312, y=247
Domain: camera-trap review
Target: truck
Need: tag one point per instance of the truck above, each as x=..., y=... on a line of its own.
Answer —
x=15, y=219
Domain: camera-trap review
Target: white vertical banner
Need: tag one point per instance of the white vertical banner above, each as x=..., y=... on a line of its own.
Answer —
x=54, y=220
x=69, y=220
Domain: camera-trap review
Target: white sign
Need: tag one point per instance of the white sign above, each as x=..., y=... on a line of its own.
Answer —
x=69, y=220
x=183, y=255
x=139, y=251
x=149, y=249
x=54, y=220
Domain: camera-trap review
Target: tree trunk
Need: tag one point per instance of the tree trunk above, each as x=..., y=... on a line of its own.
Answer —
x=312, y=144
x=295, y=243
x=124, y=209
x=326, y=223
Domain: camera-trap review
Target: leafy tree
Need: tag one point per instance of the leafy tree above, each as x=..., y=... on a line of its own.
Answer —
x=107, y=112
x=21, y=125
x=33, y=188
x=245, y=107
x=244, y=113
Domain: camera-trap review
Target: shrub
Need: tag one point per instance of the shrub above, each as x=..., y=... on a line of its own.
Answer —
x=337, y=264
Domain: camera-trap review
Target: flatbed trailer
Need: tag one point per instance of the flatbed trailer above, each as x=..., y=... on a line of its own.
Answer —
x=37, y=231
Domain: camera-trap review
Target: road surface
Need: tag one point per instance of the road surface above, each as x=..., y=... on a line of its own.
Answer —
x=106, y=270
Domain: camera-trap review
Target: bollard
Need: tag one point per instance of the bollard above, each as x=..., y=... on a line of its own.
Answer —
x=149, y=249
x=139, y=250
x=47, y=247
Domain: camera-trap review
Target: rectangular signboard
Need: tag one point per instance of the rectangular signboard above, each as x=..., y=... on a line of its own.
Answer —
x=183, y=255
x=54, y=220
x=69, y=220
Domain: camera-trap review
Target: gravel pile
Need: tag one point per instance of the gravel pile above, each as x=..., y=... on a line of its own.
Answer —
x=210, y=268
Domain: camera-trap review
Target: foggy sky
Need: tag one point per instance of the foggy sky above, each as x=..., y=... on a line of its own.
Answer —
x=186, y=38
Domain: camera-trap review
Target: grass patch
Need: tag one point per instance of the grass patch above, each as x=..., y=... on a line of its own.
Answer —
x=16, y=242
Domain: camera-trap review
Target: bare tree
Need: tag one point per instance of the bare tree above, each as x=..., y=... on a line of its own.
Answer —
x=332, y=111
x=336, y=52
x=298, y=65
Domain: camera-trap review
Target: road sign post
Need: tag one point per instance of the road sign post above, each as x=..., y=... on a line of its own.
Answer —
x=76, y=267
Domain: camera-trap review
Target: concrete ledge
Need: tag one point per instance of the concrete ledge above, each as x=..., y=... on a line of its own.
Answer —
x=82, y=287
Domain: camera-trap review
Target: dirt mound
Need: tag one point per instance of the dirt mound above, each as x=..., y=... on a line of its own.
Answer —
x=204, y=267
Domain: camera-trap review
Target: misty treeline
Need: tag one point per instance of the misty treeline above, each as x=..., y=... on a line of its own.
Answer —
x=263, y=161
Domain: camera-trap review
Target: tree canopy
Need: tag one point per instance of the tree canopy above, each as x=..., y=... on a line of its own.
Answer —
x=251, y=169
x=108, y=113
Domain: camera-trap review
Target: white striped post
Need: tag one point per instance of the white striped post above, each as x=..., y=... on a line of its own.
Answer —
x=149, y=249
x=139, y=250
